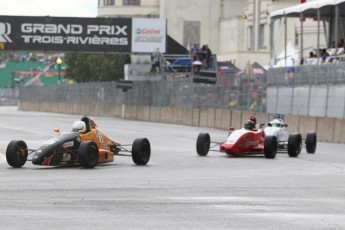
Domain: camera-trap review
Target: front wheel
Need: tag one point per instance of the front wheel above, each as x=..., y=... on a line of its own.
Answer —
x=16, y=153
x=294, y=144
x=88, y=154
x=141, y=151
x=203, y=144
x=310, y=142
x=270, y=147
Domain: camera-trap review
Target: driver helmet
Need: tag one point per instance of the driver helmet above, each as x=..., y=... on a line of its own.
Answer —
x=276, y=122
x=253, y=119
x=249, y=125
x=78, y=125
x=278, y=116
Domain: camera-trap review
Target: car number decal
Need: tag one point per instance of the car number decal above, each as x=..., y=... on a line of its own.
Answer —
x=100, y=137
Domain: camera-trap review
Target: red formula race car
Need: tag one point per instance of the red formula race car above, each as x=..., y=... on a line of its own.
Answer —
x=241, y=142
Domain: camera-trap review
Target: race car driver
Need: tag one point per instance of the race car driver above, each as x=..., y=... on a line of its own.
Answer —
x=277, y=121
x=251, y=123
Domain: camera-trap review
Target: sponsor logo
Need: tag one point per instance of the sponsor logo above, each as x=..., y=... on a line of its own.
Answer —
x=252, y=143
x=148, y=35
x=68, y=144
x=148, y=31
x=74, y=34
x=5, y=31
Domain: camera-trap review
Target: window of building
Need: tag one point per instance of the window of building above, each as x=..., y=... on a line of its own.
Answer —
x=261, y=41
x=250, y=41
x=131, y=2
x=109, y=2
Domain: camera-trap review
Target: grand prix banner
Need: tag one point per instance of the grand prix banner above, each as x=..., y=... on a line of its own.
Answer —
x=98, y=35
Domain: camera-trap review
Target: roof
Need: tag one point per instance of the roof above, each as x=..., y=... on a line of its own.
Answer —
x=228, y=68
x=309, y=9
x=173, y=47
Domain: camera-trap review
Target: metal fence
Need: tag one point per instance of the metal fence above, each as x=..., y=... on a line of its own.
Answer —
x=228, y=92
x=314, y=90
x=8, y=96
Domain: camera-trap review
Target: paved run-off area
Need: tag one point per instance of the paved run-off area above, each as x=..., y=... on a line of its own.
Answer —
x=176, y=190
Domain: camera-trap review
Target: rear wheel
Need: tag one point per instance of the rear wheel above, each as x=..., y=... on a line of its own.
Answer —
x=294, y=144
x=16, y=153
x=141, y=151
x=311, y=142
x=88, y=154
x=203, y=144
x=270, y=147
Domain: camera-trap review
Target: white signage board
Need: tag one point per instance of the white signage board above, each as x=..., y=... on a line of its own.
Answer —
x=148, y=34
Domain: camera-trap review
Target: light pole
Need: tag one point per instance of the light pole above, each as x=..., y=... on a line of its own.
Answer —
x=58, y=62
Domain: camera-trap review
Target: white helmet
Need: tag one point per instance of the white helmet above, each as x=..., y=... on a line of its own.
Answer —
x=276, y=122
x=78, y=125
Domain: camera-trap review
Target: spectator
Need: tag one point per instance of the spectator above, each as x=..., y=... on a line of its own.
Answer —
x=324, y=54
x=341, y=43
x=209, y=56
x=204, y=56
x=156, y=59
x=312, y=55
x=195, y=52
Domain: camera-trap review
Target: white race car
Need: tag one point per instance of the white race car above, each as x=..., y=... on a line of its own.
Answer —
x=292, y=143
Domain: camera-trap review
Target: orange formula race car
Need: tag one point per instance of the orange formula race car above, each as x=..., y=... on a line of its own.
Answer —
x=86, y=145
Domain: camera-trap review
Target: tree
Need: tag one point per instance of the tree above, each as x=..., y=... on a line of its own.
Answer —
x=95, y=67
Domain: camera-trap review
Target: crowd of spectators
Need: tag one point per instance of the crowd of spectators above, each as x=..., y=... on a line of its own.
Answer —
x=202, y=57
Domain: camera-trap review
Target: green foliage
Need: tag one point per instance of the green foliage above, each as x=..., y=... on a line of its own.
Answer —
x=94, y=67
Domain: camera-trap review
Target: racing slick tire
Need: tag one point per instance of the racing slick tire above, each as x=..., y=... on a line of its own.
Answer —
x=16, y=153
x=310, y=142
x=270, y=147
x=88, y=154
x=294, y=144
x=203, y=144
x=141, y=151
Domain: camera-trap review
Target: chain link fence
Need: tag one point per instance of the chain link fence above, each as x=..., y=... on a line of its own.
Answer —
x=228, y=92
x=312, y=90
x=9, y=96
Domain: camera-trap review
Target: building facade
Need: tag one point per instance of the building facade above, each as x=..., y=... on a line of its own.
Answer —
x=234, y=30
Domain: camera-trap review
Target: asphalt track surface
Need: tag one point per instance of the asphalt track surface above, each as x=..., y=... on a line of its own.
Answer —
x=176, y=190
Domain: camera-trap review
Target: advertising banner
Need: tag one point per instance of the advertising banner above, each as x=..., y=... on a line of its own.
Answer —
x=148, y=34
x=67, y=34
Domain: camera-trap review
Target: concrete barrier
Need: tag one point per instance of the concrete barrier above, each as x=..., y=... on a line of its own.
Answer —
x=307, y=124
x=226, y=119
x=143, y=113
x=211, y=114
x=325, y=129
x=130, y=112
x=328, y=129
x=236, y=119
x=155, y=114
x=166, y=115
x=177, y=115
x=187, y=116
x=196, y=117
x=218, y=119
x=339, y=130
x=203, y=117
x=293, y=123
